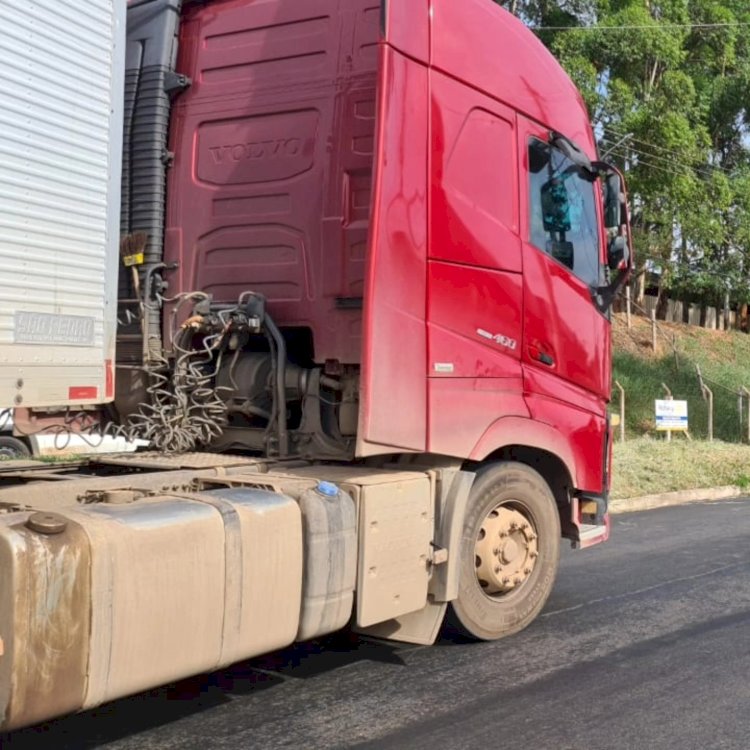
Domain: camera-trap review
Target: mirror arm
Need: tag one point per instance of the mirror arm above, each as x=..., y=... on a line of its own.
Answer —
x=592, y=170
x=571, y=150
x=604, y=296
x=601, y=167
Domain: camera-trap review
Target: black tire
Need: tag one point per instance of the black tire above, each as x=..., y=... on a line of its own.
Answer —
x=519, y=488
x=13, y=448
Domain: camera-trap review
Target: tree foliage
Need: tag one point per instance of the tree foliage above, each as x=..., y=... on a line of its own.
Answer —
x=667, y=83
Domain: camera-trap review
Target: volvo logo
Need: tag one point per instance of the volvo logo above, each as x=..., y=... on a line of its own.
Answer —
x=254, y=151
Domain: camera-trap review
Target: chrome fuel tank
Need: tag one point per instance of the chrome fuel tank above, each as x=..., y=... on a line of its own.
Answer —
x=107, y=600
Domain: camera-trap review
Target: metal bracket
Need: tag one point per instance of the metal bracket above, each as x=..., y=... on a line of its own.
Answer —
x=176, y=83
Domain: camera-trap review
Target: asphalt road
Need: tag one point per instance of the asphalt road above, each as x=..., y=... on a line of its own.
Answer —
x=644, y=644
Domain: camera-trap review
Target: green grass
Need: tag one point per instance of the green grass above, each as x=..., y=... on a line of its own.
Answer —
x=648, y=466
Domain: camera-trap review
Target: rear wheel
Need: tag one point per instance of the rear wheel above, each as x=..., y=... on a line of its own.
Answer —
x=509, y=551
x=13, y=448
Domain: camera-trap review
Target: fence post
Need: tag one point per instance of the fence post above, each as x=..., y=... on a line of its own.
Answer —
x=707, y=396
x=669, y=398
x=653, y=329
x=622, y=411
x=726, y=310
x=627, y=305
x=744, y=391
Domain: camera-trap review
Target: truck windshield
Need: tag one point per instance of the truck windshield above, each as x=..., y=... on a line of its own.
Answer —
x=563, y=212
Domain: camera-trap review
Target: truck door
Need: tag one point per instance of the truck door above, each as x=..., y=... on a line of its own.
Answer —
x=475, y=291
x=566, y=351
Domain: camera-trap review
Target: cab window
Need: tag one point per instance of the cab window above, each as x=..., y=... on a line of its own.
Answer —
x=563, y=217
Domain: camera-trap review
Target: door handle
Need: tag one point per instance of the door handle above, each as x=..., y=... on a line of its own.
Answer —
x=546, y=359
x=540, y=356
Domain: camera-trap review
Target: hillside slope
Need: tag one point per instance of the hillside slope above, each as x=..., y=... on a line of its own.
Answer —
x=724, y=360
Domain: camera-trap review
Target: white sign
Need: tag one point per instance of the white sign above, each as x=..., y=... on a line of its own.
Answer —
x=671, y=415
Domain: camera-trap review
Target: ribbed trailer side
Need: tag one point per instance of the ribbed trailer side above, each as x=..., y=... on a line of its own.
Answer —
x=61, y=121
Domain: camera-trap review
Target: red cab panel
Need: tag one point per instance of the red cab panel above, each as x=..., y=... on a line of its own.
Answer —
x=474, y=178
x=258, y=198
x=507, y=63
x=475, y=322
x=462, y=410
x=407, y=28
x=584, y=432
x=475, y=329
x=393, y=400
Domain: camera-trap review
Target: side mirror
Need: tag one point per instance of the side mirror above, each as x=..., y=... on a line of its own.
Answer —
x=556, y=207
x=613, y=201
x=619, y=251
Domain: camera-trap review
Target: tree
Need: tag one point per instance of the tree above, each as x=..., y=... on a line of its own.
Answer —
x=667, y=83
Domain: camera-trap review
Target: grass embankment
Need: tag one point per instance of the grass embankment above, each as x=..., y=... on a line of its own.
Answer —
x=648, y=466
x=646, y=463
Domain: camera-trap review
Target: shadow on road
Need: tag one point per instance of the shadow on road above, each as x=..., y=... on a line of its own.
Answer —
x=155, y=708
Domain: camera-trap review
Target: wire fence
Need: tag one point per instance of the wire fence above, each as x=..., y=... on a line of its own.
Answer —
x=716, y=409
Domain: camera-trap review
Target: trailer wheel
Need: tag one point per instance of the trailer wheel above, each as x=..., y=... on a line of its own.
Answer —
x=510, y=552
x=13, y=448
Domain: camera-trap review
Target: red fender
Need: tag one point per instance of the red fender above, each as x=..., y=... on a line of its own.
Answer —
x=508, y=431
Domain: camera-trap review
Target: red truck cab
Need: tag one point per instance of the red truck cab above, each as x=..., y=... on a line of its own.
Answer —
x=413, y=189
